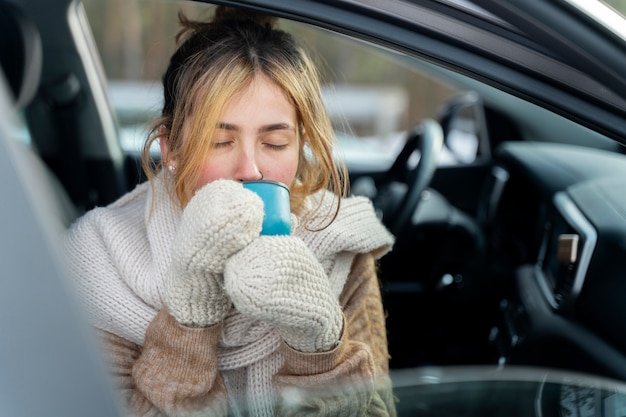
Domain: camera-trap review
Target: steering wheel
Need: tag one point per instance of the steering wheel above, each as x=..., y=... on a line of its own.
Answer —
x=404, y=183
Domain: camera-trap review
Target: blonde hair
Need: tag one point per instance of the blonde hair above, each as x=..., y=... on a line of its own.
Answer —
x=215, y=61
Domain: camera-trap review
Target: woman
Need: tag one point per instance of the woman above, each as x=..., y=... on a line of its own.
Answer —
x=199, y=314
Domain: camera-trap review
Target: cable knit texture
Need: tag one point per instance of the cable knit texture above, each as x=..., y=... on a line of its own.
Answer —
x=121, y=258
x=278, y=280
x=221, y=219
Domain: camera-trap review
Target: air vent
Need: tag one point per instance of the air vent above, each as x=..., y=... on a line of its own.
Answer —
x=566, y=253
x=563, y=290
x=566, y=256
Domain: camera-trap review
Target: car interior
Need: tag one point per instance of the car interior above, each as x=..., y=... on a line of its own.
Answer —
x=515, y=257
x=43, y=333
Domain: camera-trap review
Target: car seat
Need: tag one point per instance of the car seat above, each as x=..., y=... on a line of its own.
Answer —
x=20, y=61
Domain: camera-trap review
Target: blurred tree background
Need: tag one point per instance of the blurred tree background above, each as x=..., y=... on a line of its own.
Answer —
x=132, y=51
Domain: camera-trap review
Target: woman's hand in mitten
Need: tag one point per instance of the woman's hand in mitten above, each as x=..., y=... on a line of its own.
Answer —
x=277, y=279
x=220, y=220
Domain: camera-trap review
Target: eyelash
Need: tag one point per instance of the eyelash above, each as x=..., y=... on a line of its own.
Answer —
x=218, y=145
x=227, y=143
x=275, y=147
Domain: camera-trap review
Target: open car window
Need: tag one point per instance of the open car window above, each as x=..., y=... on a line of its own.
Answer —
x=372, y=95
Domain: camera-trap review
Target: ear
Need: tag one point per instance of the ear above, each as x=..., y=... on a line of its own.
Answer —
x=165, y=149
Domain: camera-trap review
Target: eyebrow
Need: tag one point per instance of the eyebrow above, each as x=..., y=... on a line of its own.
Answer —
x=263, y=129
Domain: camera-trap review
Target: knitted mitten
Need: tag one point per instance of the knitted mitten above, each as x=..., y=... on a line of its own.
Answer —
x=278, y=280
x=220, y=220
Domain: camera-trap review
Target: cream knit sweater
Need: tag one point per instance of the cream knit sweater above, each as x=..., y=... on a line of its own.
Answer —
x=119, y=256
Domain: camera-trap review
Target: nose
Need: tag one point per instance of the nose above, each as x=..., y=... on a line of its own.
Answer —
x=247, y=167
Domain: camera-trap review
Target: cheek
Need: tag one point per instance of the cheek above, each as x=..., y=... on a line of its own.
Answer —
x=282, y=171
x=211, y=172
x=281, y=168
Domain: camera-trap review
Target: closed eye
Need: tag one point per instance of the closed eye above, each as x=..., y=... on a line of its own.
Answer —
x=278, y=138
x=277, y=147
x=222, y=144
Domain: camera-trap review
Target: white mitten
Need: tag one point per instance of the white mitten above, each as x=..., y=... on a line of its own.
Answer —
x=277, y=279
x=220, y=220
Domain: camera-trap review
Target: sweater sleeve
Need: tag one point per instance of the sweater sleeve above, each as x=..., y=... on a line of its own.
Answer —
x=353, y=378
x=175, y=372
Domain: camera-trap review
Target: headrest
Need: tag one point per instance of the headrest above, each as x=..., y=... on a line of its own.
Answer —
x=20, y=52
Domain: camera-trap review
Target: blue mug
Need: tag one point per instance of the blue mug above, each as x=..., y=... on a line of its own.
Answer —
x=275, y=196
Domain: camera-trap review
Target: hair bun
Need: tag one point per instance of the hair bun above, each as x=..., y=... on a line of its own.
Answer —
x=225, y=14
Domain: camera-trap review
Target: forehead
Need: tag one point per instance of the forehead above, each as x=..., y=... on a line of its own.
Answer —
x=262, y=98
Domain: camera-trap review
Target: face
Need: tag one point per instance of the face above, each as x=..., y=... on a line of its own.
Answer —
x=256, y=137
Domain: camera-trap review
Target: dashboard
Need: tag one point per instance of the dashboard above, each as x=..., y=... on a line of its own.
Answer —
x=561, y=224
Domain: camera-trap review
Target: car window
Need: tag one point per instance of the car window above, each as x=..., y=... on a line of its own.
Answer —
x=372, y=95
x=617, y=5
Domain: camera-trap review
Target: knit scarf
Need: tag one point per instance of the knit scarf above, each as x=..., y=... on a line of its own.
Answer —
x=248, y=353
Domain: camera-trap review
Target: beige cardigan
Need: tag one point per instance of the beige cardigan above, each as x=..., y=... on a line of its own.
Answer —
x=119, y=255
